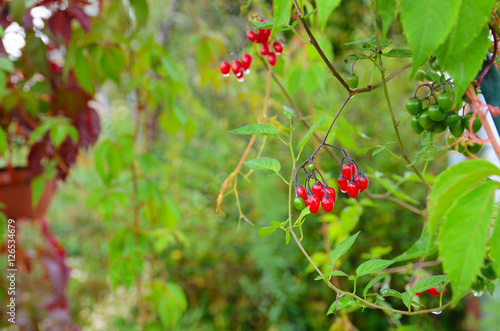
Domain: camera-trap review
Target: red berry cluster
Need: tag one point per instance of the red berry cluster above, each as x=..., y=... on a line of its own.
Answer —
x=239, y=68
x=262, y=37
x=352, y=179
x=319, y=194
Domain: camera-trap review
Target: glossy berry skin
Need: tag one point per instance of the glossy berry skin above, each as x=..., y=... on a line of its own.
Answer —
x=246, y=61
x=444, y=101
x=225, y=68
x=415, y=125
x=432, y=291
x=317, y=190
x=301, y=192
x=331, y=193
x=425, y=121
x=313, y=202
x=272, y=58
x=352, y=81
x=451, y=119
x=439, y=127
x=311, y=167
x=362, y=182
x=278, y=47
x=414, y=106
x=327, y=203
x=299, y=203
x=236, y=66
x=352, y=189
x=348, y=169
x=252, y=36
x=476, y=126
x=264, y=50
x=436, y=113
x=343, y=184
x=457, y=130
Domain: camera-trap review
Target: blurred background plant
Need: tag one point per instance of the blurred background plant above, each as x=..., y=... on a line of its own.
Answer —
x=136, y=215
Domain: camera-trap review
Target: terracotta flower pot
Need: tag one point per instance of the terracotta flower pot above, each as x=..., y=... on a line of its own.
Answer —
x=15, y=194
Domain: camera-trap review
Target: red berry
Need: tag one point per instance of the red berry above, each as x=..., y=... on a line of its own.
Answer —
x=432, y=291
x=327, y=203
x=317, y=190
x=264, y=50
x=272, y=58
x=330, y=191
x=246, y=61
x=352, y=189
x=362, y=182
x=343, y=184
x=348, y=169
x=313, y=202
x=278, y=47
x=301, y=192
x=225, y=68
x=236, y=66
x=252, y=36
x=411, y=284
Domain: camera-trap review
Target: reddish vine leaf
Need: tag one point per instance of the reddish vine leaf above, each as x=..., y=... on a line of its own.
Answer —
x=80, y=15
x=60, y=25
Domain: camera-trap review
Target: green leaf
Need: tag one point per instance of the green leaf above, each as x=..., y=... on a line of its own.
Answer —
x=372, y=266
x=425, y=145
x=333, y=273
x=59, y=132
x=3, y=141
x=264, y=163
x=269, y=24
x=387, y=11
x=282, y=11
x=369, y=43
x=339, y=304
x=422, y=247
x=372, y=282
x=6, y=65
x=288, y=112
x=309, y=133
x=398, y=52
x=427, y=283
x=453, y=183
x=140, y=11
x=343, y=247
x=463, y=236
x=325, y=9
x=473, y=16
x=263, y=232
x=257, y=129
x=37, y=188
x=83, y=72
x=464, y=66
x=406, y=297
x=495, y=245
x=426, y=23
x=389, y=292
x=113, y=62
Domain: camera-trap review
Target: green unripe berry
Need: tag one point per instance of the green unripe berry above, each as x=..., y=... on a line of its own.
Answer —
x=311, y=167
x=451, y=119
x=488, y=270
x=425, y=121
x=439, y=127
x=414, y=106
x=444, y=101
x=478, y=285
x=352, y=81
x=457, y=130
x=476, y=126
x=474, y=148
x=415, y=125
x=436, y=113
x=299, y=203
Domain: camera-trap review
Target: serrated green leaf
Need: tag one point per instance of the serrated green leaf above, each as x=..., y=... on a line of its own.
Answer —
x=369, y=43
x=387, y=11
x=426, y=283
x=472, y=18
x=339, y=304
x=463, y=236
x=389, y=292
x=343, y=247
x=453, y=183
x=372, y=282
x=257, y=129
x=264, y=163
x=325, y=9
x=425, y=144
x=266, y=231
x=83, y=72
x=309, y=133
x=333, y=273
x=426, y=23
x=464, y=66
x=372, y=266
x=398, y=52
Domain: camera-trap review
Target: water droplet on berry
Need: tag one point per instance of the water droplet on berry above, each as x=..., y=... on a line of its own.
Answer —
x=477, y=294
x=241, y=79
x=226, y=75
x=247, y=71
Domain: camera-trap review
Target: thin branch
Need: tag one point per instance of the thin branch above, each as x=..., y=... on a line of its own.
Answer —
x=370, y=88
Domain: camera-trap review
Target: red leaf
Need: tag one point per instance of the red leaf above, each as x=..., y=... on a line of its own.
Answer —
x=60, y=25
x=81, y=17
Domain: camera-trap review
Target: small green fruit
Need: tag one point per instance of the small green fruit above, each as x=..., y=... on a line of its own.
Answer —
x=352, y=81
x=436, y=113
x=414, y=106
x=299, y=203
x=425, y=121
x=451, y=119
x=457, y=130
x=476, y=126
x=311, y=167
x=444, y=101
x=488, y=270
x=415, y=125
